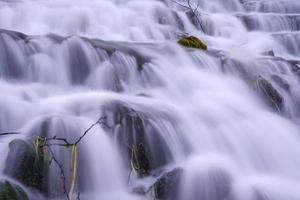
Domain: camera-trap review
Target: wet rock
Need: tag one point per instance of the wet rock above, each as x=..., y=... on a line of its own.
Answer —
x=28, y=164
x=139, y=139
x=166, y=186
x=269, y=53
x=139, y=160
x=296, y=69
x=139, y=190
x=213, y=183
x=129, y=130
x=220, y=183
x=10, y=191
x=193, y=42
x=280, y=81
x=271, y=95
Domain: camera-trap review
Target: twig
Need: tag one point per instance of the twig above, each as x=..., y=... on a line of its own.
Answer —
x=67, y=143
x=99, y=121
x=182, y=5
x=62, y=173
x=9, y=133
x=59, y=139
x=195, y=10
x=128, y=179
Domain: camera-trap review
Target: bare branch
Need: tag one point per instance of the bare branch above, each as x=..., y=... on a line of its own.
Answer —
x=193, y=9
x=182, y=5
x=62, y=173
x=9, y=133
x=98, y=122
x=64, y=140
x=66, y=143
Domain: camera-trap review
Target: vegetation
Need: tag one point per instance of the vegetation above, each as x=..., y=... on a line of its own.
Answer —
x=9, y=191
x=192, y=42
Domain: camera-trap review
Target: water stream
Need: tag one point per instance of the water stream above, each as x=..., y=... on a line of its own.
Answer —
x=65, y=63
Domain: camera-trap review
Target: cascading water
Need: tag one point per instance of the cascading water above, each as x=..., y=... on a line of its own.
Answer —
x=212, y=125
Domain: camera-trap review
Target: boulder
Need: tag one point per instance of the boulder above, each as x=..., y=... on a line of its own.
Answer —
x=167, y=185
x=140, y=141
x=28, y=163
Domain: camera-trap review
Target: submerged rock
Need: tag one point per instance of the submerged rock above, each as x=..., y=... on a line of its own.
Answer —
x=259, y=195
x=296, y=69
x=166, y=186
x=10, y=191
x=272, y=96
x=282, y=82
x=208, y=183
x=193, y=42
x=269, y=53
x=28, y=164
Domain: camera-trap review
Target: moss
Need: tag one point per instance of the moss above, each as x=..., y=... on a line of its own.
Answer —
x=11, y=192
x=30, y=164
x=193, y=42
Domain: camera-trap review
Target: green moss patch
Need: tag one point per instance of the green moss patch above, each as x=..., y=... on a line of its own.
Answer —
x=192, y=42
x=9, y=191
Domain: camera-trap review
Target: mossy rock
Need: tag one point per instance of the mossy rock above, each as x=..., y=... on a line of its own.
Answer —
x=132, y=139
x=10, y=191
x=166, y=186
x=139, y=139
x=28, y=163
x=272, y=96
x=192, y=42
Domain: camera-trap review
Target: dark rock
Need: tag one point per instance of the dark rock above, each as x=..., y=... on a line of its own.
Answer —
x=211, y=184
x=280, y=81
x=166, y=186
x=28, y=163
x=271, y=95
x=296, y=69
x=139, y=160
x=139, y=190
x=269, y=53
x=10, y=191
x=138, y=138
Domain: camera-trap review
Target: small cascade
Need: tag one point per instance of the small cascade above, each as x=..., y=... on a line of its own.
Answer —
x=100, y=101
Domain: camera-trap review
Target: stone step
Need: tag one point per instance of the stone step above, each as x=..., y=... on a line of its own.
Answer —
x=270, y=22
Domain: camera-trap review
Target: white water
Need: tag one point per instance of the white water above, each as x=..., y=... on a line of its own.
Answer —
x=202, y=106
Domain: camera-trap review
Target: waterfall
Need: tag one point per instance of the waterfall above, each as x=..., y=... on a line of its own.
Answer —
x=176, y=122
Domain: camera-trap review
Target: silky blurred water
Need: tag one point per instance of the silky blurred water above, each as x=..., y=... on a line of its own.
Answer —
x=83, y=59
